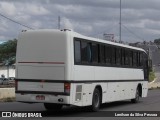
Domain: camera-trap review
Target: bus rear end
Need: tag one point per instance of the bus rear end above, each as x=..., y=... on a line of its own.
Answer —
x=40, y=68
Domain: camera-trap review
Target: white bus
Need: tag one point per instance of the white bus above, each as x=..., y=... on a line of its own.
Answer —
x=62, y=67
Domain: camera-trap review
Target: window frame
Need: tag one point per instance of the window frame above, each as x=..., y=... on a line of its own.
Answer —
x=124, y=52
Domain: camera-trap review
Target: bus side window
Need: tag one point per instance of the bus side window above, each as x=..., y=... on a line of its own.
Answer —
x=140, y=59
x=130, y=58
x=108, y=54
x=102, y=54
x=118, y=56
x=86, y=52
x=77, y=51
x=126, y=57
x=94, y=53
x=113, y=55
x=89, y=52
x=122, y=56
x=135, y=59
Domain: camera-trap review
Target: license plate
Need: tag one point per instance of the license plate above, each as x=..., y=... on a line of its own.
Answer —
x=40, y=97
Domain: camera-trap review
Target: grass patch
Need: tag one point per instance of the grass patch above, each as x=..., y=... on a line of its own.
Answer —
x=152, y=76
x=9, y=99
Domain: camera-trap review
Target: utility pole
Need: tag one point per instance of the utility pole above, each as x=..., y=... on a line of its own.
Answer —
x=7, y=64
x=59, y=22
x=120, y=19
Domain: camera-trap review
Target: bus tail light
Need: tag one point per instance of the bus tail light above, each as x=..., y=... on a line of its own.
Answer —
x=67, y=87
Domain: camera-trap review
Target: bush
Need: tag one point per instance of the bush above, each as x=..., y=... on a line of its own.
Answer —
x=151, y=75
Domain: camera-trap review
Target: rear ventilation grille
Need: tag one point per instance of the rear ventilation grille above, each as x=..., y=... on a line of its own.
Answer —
x=78, y=93
x=79, y=88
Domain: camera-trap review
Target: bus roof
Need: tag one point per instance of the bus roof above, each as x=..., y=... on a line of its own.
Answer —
x=75, y=34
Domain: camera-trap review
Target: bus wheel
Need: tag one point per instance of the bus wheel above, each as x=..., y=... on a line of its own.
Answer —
x=96, y=100
x=137, y=96
x=52, y=106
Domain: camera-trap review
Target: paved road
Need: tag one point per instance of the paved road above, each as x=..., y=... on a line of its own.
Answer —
x=151, y=103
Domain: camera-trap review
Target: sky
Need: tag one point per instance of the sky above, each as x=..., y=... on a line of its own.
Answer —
x=140, y=18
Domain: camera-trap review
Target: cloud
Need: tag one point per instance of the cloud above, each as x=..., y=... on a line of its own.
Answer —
x=36, y=9
x=36, y=24
x=66, y=24
x=22, y=18
x=88, y=17
x=3, y=25
x=7, y=8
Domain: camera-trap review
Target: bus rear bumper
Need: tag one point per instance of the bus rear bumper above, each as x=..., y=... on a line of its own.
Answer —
x=42, y=98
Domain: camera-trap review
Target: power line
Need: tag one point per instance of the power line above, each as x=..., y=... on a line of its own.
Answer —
x=109, y=30
x=15, y=21
x=133, y=33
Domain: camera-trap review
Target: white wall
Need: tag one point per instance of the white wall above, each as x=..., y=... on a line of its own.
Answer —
x=3, y=70
x=7, y=92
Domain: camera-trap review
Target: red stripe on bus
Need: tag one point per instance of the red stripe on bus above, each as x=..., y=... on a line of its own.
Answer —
x=44, y=62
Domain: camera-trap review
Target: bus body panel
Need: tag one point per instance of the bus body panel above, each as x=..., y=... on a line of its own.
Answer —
x=99, y=73
x=121, y=73
x=41, y=57
x=40, y=86
x=42, y=72
x=36, y=46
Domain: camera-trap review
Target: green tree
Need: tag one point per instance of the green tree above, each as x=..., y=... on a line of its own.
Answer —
x=8, y=51
x=157, y=41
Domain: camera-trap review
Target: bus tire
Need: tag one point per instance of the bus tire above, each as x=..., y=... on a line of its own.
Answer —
x=96, y=100
x=53, y=107
x=137, y=96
